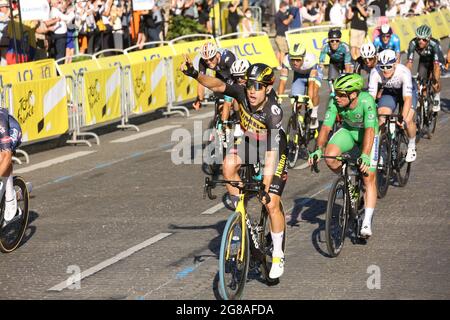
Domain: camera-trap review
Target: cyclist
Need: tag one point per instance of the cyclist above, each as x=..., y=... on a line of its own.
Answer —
x=220, y=61
x=261, y=120
x=339, y=53
x=431, y=57
x=366, y=61
x=307, y=74
x=387, y=40
x=10, y=139
x=358, y=111
x=397, y=87
x=238, y=70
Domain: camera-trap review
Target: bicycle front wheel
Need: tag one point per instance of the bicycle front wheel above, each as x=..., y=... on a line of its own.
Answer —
x=12, y=233
x=403, y=168
x=293, y=136
x=336, y=217
x=384, y=168
x=233, y=271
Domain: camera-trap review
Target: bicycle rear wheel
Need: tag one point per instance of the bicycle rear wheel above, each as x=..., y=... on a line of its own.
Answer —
x=233, y=272
x=11, y=235
x=336, y=217
x=293, y=137
x=434, y=116
x=419, y=120
x=402, y=167
x=384, y=168
x=267, y=245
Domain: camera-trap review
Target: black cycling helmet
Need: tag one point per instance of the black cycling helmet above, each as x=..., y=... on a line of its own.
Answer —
x=262, y=73
x=334, y=33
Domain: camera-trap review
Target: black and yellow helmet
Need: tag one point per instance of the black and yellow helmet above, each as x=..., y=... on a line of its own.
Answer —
x=262, y=73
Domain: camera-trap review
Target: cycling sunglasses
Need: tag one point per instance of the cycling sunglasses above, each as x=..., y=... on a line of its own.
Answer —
x=341, y=94
x=239, y=78
x=296, y=58
x=369, y=59
x=386, y=35
x=335, y=41
x=424, y=39
x=386, y=67
x=258, y=86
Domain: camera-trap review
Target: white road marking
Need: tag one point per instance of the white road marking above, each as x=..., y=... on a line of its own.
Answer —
x=214, y=209
x=61, y=286
x=51, y=162
x=301, y=167
x=204, y=116
x=145, y=134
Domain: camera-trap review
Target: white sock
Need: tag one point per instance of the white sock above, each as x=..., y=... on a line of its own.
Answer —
x=9, y=191
x=412, y=143
x=437, y=96
x=368, y=215
x=277, y=239
x=314, y=111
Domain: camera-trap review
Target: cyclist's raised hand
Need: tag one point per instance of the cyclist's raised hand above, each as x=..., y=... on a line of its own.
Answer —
x=187, y=67
x=364, y=161
x=197, y=104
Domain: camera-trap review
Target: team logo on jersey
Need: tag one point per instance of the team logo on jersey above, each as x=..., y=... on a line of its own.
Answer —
x=371, y=116
x=358, y=116
x=276, y=110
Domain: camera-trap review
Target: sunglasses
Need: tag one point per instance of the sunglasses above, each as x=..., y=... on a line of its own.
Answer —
x=211, y=59
x=239, y=78
x=296, y=59
x=385, y=35
x=335, y=41
x=369, y=59
x=341, y=94
x=255, y=85
x=423, y=39
x=386, y=67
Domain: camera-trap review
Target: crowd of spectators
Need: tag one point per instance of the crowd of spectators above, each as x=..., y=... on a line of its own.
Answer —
x=88, y=26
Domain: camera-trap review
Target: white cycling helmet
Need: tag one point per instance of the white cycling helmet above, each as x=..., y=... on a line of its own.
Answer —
x=239, y=67
x=385, y=29
x=208, y=50
x=368, y=50
x=387, y=57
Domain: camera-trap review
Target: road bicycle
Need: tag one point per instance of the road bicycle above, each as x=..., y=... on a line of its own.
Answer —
x=246, y=241
x=12, y=232
x=426, y=118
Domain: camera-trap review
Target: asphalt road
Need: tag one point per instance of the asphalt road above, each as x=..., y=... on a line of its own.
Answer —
x=137, y=227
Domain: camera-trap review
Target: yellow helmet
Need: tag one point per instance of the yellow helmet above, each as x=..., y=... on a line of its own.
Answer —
x=298, y=50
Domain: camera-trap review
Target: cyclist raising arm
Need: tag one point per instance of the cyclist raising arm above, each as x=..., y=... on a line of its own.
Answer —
x=431, y=57
x=360, y=126
x=306, y=73
x=219, y=60
x=261, y=120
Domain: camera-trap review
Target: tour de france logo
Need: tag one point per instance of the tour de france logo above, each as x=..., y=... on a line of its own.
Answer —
x=139, y=84
x=26, y=106
x=94, y=93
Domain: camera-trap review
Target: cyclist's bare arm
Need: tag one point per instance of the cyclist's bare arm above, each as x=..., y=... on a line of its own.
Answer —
x=409, y=64
x=283, y=79
x=348, y=68
x=226, y=108
x=214, y=84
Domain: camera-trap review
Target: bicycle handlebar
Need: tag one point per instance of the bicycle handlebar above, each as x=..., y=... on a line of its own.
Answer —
x=257, y=187
x=346, y=158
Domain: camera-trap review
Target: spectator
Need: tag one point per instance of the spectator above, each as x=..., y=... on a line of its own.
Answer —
x=152, y=19
x=115, y=19
x=330, y=4
x=105, y=12
x=190, y=10
x=338, y=13
x=310, y=15
x=59, y=38
x=4, y=21
x=282, y=20
x=203, y=13
x=294, y=9
x=357, y=14
x=247, y=22
x=71, y=30
x=233, y=16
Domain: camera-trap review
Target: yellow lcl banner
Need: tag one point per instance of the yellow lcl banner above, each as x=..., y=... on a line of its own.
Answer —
x=102, y=95
x=42, y=69
x=149, y=85
x=73, y=69
x=40, y=107
x=150, y=54
x=254, y=49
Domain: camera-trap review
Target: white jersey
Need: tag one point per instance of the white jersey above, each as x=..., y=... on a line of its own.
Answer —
x=309, y=63
x=399, y=84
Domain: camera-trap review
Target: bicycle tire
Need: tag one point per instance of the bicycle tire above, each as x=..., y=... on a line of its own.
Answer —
x=226, y=265
x=12, y=234
x=419, y=120
x=384, y=172
x=335, y=249
x=433, y=124
x=266, y=243
x=402, y=167
x=293, y=145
